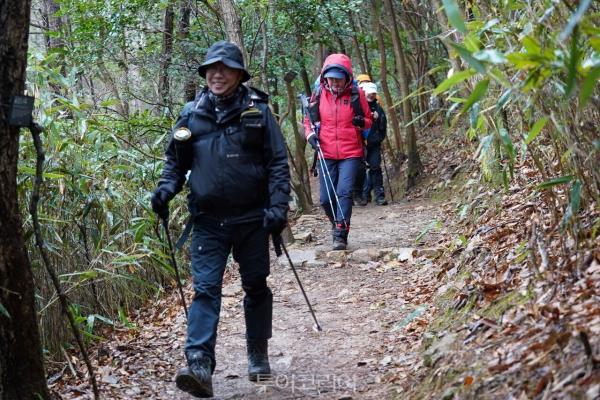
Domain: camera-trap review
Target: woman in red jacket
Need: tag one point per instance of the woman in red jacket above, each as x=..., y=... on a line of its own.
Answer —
x=338, y=135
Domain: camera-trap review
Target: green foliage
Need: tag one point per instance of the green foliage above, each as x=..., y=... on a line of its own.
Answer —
x=531, y=71
x=454, y=15
x=94, y=208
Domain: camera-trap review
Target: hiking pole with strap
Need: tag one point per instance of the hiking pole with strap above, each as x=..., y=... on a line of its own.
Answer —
x=165, y=224
x=328, y=176
x=322, y=164
x=387, y=174
x=278, y=245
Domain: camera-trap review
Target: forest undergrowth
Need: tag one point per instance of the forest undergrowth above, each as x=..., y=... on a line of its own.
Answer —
x=518, y=299
x=515, y=299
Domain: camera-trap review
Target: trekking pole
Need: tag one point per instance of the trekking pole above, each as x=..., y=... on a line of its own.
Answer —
x=321, y=160
x=328, y=176
x=327, y=189
x=387, y=174
x=278, y=244
x=174, y=262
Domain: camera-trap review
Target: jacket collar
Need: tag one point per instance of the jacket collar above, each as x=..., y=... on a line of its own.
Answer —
x=223, y=110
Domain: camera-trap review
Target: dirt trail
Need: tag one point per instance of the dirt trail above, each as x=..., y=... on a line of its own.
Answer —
x=368, y=303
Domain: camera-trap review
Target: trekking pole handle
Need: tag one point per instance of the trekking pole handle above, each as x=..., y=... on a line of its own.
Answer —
x=165, y=224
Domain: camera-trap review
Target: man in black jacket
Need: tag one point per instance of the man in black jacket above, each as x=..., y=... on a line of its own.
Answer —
x=374, y=178
x=239, y=192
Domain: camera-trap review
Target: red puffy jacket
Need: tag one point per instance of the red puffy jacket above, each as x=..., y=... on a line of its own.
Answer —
x=339, y=139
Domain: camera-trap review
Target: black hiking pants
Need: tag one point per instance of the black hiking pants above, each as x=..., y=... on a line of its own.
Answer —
x=212, y=241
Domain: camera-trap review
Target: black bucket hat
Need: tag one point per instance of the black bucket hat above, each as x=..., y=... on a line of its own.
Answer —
x=227, y=53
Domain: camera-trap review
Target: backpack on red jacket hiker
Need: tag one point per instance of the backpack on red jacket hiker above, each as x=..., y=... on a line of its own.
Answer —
x=313, y=109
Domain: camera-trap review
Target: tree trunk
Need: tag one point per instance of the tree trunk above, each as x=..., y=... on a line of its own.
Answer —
x=183, y=33
x=265, y=58
x=300, y=175
x=361, y=60
x=122, y=106
x=21, y=367
x=365, y=49
x=52, y=23
x=307, y=82
x=166, y=57
x=414, y=161
x=443, y=22
x=391, y=112
x=233, y=26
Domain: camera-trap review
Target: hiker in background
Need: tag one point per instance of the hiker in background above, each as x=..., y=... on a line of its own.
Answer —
x=341, y=109
x=361, y=176
x=239, y=192
x=364, y=78
x=377, y=133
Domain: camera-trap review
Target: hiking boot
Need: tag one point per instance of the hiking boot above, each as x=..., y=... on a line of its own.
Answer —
x=362, y=201
x=258, y=360
x=339, y=243
x=196, y=378
x=340, y=238
x=381, y=201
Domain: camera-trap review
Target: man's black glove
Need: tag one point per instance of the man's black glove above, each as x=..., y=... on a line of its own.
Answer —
x=313, y=140
x=358, y=121
x=275, y=219
x=160, y=202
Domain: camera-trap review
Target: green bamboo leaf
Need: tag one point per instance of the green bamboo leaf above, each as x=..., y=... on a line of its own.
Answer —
x=472, y=42
x=23, y=169
x=454, y=15
x=554, y=182
x=453, y=80
x=574, y=203
x=507, y=142
x=574, y=58
x=484, y=144
x=532, y=46
x=491, y=56
x=468, y=57
x=523, y=61
x=433, y=224
x=503, y=99
x=535, y=130
x=510, y=149
x=4, y=311
x=587, y=88
x=478, y=92
x=489, y=24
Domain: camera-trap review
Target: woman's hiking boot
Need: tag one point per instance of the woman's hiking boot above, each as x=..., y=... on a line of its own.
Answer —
x=258, y=360
x=340, y=237
x=196, y=378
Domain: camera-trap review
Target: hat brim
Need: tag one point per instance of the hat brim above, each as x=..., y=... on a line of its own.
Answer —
x=227, y=61
x=335, y=75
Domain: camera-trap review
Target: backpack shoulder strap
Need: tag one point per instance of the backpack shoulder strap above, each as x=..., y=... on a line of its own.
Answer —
x=355, y=101
x=313, y=107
